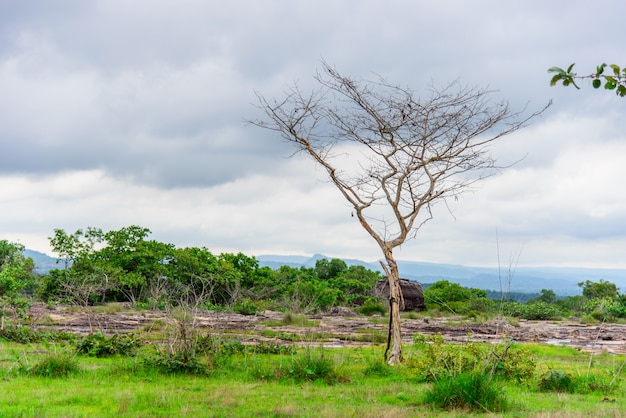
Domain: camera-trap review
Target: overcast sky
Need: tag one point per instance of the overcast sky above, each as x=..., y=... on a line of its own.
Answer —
x=116, y=113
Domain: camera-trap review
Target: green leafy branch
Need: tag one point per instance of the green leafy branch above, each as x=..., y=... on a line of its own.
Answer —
x=615, y=81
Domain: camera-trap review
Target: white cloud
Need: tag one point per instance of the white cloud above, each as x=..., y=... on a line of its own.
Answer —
x=116, y=113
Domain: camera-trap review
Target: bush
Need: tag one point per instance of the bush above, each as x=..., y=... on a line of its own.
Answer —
x=436, y=359
x=561, y=381
x=556, y=381
x=378, y=368
x=472, y=391
x=214, y=345
x=605, y=309
x=24, y=335
x=177, y=363
x=97, y=345
x=245, y=307
x=536, y=311
x=270, y=347
x=371, y=307
x=312, y=365
x=53, y=365
x=19, y=334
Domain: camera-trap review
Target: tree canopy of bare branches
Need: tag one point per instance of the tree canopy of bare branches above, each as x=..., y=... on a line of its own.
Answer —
x=393, y=154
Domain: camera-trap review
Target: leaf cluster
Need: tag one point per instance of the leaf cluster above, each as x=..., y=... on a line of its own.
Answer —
x=612, y=81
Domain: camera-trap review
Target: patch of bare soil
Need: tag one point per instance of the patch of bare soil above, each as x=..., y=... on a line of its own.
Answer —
x=337, y=330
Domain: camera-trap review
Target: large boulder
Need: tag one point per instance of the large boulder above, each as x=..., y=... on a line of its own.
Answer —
x=411, y=291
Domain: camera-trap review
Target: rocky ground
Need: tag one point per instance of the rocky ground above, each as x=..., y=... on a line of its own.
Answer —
x=336, y=329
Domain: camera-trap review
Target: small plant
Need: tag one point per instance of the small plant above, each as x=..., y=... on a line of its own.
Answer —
x=19, y=334
x=472, y=391
x=24, y=335
x=245, y=307
x=53, y=365
x=561, y=381
x=270, y=347
x=436, y=360
x=372, y=307
x=98, y=345
x=312, y=365
x=218, y=346
x=378, y=368
x=536, y=311
x=177, y=363
x=556, y=381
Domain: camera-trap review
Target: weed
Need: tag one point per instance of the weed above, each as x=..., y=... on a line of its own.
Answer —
x=177, y=363
x=270, y=347
x=471, y=390
x=52, y=365
x=377, y=367
x=98, y=345
x=436, y=359
x=371, y=307
x=312, y=365
x=245, y=307
x=556, y=381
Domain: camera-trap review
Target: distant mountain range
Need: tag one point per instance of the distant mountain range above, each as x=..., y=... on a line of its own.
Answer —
x=562, y=280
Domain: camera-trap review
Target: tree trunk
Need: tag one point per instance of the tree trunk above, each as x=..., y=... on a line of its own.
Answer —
x=393, y=353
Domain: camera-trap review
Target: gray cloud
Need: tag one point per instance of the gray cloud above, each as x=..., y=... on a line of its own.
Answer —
x=116, y=112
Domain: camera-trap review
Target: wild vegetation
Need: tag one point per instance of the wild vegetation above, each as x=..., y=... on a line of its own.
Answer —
x=178, y=368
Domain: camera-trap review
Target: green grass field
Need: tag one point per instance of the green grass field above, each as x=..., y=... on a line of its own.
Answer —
x=268, y=385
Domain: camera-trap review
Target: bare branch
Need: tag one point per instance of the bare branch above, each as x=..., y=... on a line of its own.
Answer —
x=392, y=154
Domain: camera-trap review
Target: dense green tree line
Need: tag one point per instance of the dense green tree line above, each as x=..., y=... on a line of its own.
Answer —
x=126, y=266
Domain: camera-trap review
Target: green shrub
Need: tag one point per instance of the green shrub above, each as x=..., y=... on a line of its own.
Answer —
x=378, y=368
x=245, y=307
x=98, y=345
x=472, y=391
x=177, y=363
x=53, y=365
x=561, y=381
x=270, y=347
x=605, y=309
x=435, y=359
x=556, y=381
x=19, y=334
x=312, y=365
x=372, y=307
x=25, y=335
x=215, y=345
x=535, y=311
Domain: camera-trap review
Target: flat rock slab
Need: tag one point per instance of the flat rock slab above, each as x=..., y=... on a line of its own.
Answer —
x=336, y=330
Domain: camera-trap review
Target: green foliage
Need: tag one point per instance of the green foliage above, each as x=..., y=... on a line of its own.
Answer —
x=378, y=368
x=123, y=265
x=605, y=309
x=16, y=275
x=547, y=296
x=54, y=365
x=615, y=81
x=271, y=347
x=24, y=335
x=98, y=345
x=471, y=391
x=556, y=381
x=245, y=307
x=312, y=365
x=533, y=311
x=178, y=363
x=599, y=290
x=436, y=360
x=454, y=297
x=371, y=307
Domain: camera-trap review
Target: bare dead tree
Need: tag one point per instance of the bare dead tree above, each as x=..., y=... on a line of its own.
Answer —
x=392, y=154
